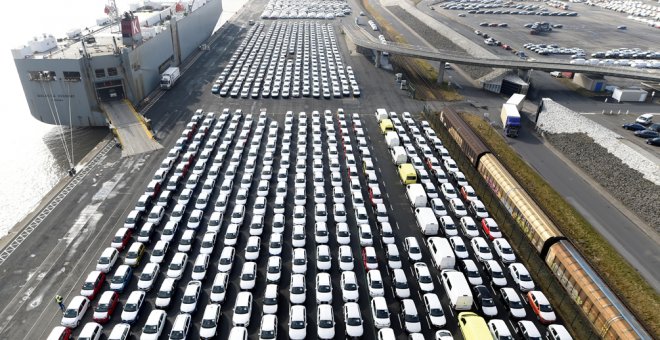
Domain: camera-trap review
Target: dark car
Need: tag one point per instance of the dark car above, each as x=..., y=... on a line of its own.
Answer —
x=634, y=126
x=654, y=127
x=653, y=141
x=647, y=134
x=215, y=89
x=483, y=300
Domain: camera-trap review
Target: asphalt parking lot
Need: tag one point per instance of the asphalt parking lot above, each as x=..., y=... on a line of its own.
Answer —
x=400, y=215
x=594, y=29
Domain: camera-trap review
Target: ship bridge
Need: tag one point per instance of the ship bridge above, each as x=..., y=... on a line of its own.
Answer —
x=129, y=127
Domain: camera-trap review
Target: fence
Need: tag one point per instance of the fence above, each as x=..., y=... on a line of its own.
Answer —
x=571, y=314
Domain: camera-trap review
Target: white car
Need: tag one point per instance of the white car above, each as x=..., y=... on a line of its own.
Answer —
x=511, y=300
x=346, y=260
x=242, y=196
x=259, y=206
x=177, y=266
x=275, y=244
x=504, y=250
x=434, y=310
x=231, y=235
x=226, y=260
x=400, y=284
x=457, y=207
x=381, y=315
x=353, y=320
x=494, y=270
x=299, y=261
x=320, y=213
x=381, y=213
x=369, y=258
x=448, y=191
x=75, y=311
x=268, y=328
x=208, y=242
x=375, y=283
x=339, y=213
x=325, y=322
x=471, y=272
x=361, y=215
x=459, y=247
x=386, y=233
x=145, y=232
x=185, y=196
x=450, y=165
x=177, y=213
x=438, y=207
x=297, y=322
x=468, y=226
x=156, y=214
x=278, y=223
x=298, y=236
x=366, y=237
x=200, y=266
x=481, y=249
x=299, y=215
x=319, y=194
x=410, y=316
x=107, y=260
x=323, y=288
x=321, y=234
x=424, y=277
x=238, y=214
x=190, y=297
x=219, y=288
x=274, y=269
x=132, y=306
x=148, y=276
x=209, y=325
x=195, y=219
x=393, y=256
x=349, y=286
x=263, y=188
x=256, y=225
x=270, y=299
x=186, y=241
x=521, y=277
x=411, y=246
x=248, y=276
x=104, y=308
x=242, y=310
x=297, y=289
x=343, y=234
x=323, y=257
x=300, y=197
x=448, y=226
x=154, y=326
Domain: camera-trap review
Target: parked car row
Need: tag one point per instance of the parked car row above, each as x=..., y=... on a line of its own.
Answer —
x=289, y=60
x=298, y=9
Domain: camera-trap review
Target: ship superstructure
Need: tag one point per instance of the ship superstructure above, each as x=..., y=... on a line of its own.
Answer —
x=67, y=80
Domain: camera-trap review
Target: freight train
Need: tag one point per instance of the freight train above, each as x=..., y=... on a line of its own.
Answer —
x=610, y=318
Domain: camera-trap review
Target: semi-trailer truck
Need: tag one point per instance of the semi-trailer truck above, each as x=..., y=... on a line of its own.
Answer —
x=510, y=120
x=169, y=77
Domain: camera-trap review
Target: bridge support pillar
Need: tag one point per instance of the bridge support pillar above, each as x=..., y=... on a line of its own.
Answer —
x=441, y=72
x=377, y=61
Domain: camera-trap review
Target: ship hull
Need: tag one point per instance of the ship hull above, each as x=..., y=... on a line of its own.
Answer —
x=130, y=74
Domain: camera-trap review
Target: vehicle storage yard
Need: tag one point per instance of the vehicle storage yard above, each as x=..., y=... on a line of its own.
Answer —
x=594, y=29
x=332, y=144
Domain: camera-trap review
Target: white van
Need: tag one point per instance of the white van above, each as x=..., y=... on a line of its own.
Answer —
x=427, y=221
x=91, y=331
x=381, y=114
x=457, y=288
x=153, y=328
x=442, y=255
x=645, y=119
x=416, y=195
x=399, y=155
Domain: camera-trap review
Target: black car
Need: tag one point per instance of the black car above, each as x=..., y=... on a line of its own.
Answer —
x=634, y=126
x=647, y=134
x=654, y=127
x=483, y=300
x=653, y=141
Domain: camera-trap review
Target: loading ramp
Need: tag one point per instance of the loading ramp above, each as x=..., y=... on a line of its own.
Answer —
x=129, y=127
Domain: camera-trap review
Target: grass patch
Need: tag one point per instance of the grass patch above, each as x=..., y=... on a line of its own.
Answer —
x=622, y=278
x=419, y=72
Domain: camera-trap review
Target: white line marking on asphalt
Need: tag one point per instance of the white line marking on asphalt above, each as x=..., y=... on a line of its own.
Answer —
x=398, y=317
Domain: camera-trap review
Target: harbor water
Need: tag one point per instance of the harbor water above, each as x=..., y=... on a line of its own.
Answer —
x=36, y=156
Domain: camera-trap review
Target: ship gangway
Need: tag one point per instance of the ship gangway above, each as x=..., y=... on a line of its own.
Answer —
x=129, y=127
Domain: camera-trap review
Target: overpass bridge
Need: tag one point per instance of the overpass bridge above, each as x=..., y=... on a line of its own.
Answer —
x=362, y=39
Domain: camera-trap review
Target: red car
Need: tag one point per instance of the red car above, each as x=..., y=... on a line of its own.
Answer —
x=121, y=239
x=369, y=258
x=106, y=306
x=468, y=193
x=153, y=189
x=541, y=307
x=92, y=284
x=491, y=228
x=60, y=333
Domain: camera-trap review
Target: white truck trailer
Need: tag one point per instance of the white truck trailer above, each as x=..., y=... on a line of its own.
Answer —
x=169, y=78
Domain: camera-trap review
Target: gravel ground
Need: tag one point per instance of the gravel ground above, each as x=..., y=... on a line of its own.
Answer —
x=628, y=185
x=436, y=39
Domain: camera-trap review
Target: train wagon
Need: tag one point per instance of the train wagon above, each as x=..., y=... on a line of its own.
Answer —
x=539, y=229
x=467, y=140
x=611, y=319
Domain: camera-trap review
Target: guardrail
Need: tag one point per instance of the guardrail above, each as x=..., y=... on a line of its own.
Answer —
x=361, y=39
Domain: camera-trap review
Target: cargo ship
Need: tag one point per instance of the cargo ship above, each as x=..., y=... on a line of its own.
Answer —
x=67, y=80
